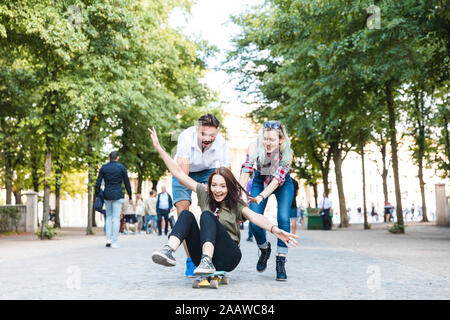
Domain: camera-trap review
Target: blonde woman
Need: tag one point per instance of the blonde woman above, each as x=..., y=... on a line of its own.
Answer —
x=272, y=155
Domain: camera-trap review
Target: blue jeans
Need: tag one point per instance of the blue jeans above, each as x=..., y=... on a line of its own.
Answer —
x=284, y=195
x=181, y=192
x=104, y=225
x=113, y=209
x=149, y=218
x=163, y=213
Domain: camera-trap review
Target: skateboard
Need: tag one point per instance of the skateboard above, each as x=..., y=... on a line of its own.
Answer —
x=211, y=280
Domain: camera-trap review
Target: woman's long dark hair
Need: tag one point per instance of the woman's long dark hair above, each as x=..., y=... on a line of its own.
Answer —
x=234, y=188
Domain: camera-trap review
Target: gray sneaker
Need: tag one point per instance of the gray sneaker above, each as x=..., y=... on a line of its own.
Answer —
x=205, y=267
x=164, y=257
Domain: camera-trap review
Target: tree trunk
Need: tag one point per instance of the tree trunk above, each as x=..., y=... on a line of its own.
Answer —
x=324, y=165
x=154, y=184
x=57, y=205
x=326, y=187
x=34, y=173
x=49, y=111
x=337, y=159
x=91, y=177
x=384, y=173
x=8, y=177
x=18, y=197
x=140, y=180
x=316, y=195
x=326, y=171
x=58, y=177
x=422, y=192
x=366, y=224
x=35, y=179
x=393, y=136
x=420, y=140
x=6, y=155
x=47, y=177
x=447, y=144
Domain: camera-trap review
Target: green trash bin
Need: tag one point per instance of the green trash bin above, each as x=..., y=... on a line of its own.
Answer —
x=315, y=220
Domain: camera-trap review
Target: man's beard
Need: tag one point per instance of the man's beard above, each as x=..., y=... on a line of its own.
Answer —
x=206, y=145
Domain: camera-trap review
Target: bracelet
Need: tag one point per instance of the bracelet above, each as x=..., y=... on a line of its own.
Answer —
x=271, y=229
x=261, y=196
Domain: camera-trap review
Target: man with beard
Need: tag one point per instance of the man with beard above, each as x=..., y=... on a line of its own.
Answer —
x=200, y=150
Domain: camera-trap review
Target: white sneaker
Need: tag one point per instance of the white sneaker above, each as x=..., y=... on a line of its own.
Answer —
x=108, y=243
x=205, y=267
x=114, y=245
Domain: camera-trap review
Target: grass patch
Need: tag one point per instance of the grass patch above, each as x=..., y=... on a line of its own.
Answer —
x=396, y=228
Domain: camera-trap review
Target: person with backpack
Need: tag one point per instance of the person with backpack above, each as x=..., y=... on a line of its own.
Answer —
x=113, y=174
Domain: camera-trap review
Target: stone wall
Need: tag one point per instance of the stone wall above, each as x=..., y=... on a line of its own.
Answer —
x=12, y=218
x=27, y=215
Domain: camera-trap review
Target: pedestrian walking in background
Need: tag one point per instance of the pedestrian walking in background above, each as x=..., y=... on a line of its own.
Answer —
x=129, y=213
x=373, y=212
x=325, y=208
x=405, y=213
x=392, y=217
x=151, y=218
x=387, y=211
x=300, y=211
x=113, y=174
x=164, y=205
x=122, y=223
x=140, y=211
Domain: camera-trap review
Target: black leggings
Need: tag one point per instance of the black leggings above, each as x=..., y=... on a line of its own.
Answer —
x=227, y=254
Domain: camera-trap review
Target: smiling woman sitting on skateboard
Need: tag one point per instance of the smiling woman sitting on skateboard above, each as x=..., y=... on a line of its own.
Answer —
x=215, y=245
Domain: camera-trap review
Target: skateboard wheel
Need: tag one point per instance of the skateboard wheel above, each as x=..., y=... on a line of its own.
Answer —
x=225, y=280
x=214, y=284
x=196, y=284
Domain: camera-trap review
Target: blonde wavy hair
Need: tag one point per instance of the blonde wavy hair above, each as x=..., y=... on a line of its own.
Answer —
x=259, y=153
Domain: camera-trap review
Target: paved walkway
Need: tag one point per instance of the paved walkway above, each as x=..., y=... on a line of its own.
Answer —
x=339, y=264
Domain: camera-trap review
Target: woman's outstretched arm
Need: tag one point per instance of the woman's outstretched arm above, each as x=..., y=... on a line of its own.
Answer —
x=261, y=221
x=171, y=164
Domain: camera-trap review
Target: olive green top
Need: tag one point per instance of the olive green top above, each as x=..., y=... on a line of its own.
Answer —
x=228, y=217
